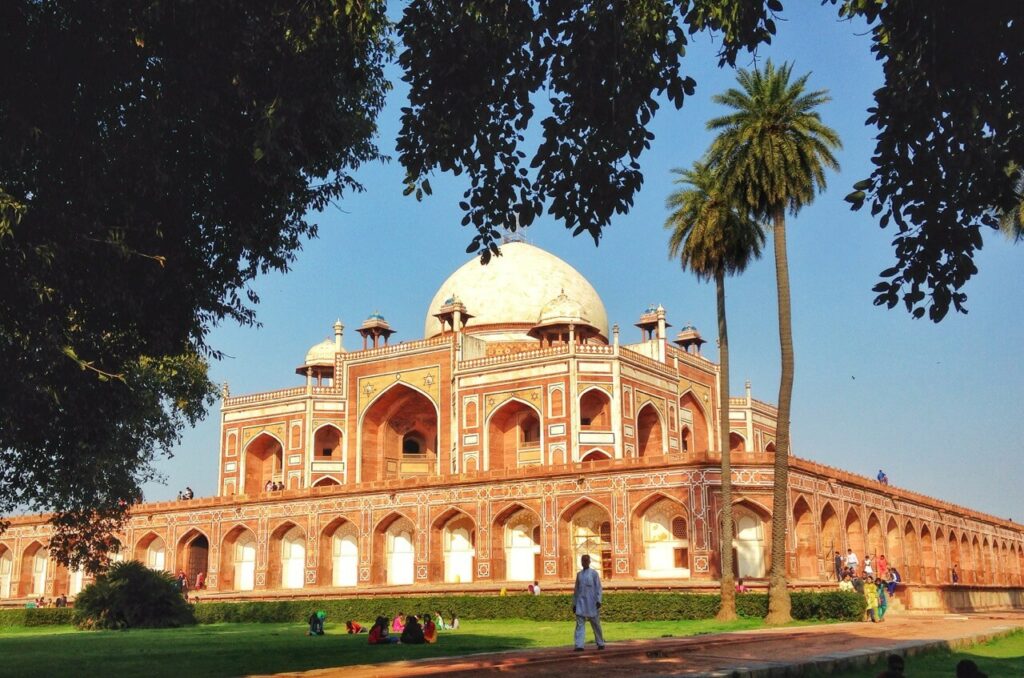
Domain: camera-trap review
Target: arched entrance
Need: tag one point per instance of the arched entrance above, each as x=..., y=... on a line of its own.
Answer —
x=927, y=556
x=737, y=443
x=76, y=581
x=513, y=437
x=152, y=551
x=649, y=432
x=665, y=538
x=33, y=570
x=967, y=561
x=398, y=436
x=806, y=551
x=589, y=531
x=876, y=543
x=980, y=575
x=894, y=547
x=6, y=571
x=831, y=538
x=459, y=537
x=516, y=549
x=327, y=443
x=264, y=463
x=339, y=552
x=954, y=559
x=692, y=415
x=287, y=566
x=855, y=535
x=401, y=553
x=595, y=411
x=194, y=555
x=238, y=560
x=749, y=543
x=911, y=553
x=595, y=455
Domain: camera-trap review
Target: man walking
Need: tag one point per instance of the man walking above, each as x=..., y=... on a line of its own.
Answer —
x=586, y=602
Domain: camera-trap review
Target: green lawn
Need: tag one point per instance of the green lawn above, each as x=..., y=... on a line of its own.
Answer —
x=236, y=649
x=1001, y=658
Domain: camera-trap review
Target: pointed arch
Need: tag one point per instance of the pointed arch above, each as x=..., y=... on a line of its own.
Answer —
x=585, y=529
x=453, y=547
x=193, y=555
x=831, y=536
x=894, y=545
x=751, y=539
x=6, y=571
x=595, y=454
x=328, y=442
x=34, y=568
x=737, y=442
x=595, y=409
x=927, y=556
x=394, y=550
x=516, y=543
x=327, y=481
x=805, y=548
x=660, y=537
x=238, y=559
x=151, y=550
x=855, y=533
x=651, y=433
x=911, y=552
x=262, y=463
x=339, y=552
x=286, y=562
x=875, y=541
x=698, y=422
x=513, y=435
x=397, y=412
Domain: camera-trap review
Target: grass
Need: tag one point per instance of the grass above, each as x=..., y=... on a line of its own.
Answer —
x=999, y=658
x=236, y=649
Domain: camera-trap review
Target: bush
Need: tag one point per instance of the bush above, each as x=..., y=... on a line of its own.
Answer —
x=834, y=605
x=130, y=595
x=47, y=616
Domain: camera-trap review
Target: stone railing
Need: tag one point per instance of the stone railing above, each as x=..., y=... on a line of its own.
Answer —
x=635, y=357
x=398, y=348
x=265, y=396
x=514, y=357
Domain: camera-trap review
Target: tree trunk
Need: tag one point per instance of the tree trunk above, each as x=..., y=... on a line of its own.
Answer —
x=727, y=611
x=778, y=594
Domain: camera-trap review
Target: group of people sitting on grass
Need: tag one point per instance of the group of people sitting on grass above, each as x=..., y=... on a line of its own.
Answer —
x=408, y=630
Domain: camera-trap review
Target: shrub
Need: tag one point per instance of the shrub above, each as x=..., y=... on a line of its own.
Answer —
x=130, y=595
x=48, y=616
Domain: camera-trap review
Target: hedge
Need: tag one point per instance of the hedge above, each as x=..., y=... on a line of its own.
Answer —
x=626, y=607
x=831, y=605
x=31, y=616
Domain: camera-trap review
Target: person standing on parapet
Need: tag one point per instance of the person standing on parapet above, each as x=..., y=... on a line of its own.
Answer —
x=586, y=605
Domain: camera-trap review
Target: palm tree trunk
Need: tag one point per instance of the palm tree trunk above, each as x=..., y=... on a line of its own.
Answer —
x=727, y=611
x=778, y=594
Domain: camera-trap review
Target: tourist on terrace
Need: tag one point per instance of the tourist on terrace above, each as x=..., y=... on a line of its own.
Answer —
x=412, y=634
x=189, y=494
x=882, y=478
x=269, y=487
x=429, y=629
x=586, y=605
x=955, y=576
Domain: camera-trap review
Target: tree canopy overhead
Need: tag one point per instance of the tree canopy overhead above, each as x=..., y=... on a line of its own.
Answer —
x=154, y=158
x=951, y=139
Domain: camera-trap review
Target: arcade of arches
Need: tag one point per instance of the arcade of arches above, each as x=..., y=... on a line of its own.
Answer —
x=450, y=540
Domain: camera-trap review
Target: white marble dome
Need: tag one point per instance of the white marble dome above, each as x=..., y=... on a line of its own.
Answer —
x=514, y=289
x=321, y=354
x=562, y=310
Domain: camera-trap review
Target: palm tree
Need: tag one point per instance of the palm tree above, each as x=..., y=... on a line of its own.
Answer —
x=1011, y=221
x=712, y=238
x=771, y=153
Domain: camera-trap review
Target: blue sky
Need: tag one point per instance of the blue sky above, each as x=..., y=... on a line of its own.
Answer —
x=933, y=405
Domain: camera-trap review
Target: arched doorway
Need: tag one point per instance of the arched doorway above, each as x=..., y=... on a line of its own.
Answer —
x=398, y=436
x=967, y=560
x=589, y=533
x=876, y=543
x=339, y=552
x=894, y=547
x=401, y=553
x=287, y=567
x=76, y=581
x=927, y=556
x=831, y=538
x=666, y=543
x=264, y=463
x=459, y=537
x=595, y=455
x=595, y=411
x=954, y=559
x=749, y=543
x=33, y=570
x=911, y=553
x=649, y=432
x=194, y=555
x=327, y=443
x=806, y=552
x=692, y=415
x=6, y=571
x=980, y=575
x=152, y=551
x=513, y=437
x=855, y=535
x=737, y=443
x=516, y=552
x=238, y=564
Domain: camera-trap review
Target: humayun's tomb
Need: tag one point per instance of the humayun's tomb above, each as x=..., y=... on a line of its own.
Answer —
x=519, y=433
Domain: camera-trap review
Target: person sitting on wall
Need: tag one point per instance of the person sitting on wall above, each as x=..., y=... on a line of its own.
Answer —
x=955, y=576
x=894, y=580
x=397, y=625
x=354, y=627
x=269, y=487
x=379, y=633
x=413, y=632
x=846, y=584
x=429, y=628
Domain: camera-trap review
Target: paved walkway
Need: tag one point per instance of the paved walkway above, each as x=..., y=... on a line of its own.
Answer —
x=765, y=652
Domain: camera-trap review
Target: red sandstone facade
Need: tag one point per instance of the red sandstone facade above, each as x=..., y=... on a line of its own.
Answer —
x=502, y=447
